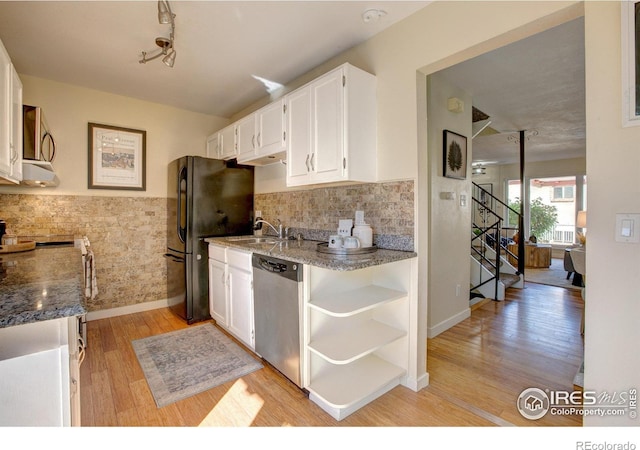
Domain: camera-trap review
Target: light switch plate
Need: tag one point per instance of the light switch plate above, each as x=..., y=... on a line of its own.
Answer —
x=628, y=228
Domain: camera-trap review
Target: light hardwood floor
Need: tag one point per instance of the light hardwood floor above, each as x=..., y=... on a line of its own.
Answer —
x=477, y=371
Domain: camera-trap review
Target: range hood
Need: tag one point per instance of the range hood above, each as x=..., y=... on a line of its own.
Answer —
x=38, y=173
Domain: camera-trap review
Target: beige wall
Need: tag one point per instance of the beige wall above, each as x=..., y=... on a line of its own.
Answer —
x=450, y=222
x=497, y=175
x=612, y=333
x=171, y=133
x=127, y=229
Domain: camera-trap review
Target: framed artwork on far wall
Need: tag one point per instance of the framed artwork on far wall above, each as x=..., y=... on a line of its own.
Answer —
x=117, y=158
x=455, y=155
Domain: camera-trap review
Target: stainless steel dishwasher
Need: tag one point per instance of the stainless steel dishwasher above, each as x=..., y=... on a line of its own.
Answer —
x=277, y=297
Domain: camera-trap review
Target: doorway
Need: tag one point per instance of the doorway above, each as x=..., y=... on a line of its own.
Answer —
x=491, y=84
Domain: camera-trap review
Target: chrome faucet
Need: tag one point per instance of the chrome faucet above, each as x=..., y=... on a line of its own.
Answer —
x=278, y=231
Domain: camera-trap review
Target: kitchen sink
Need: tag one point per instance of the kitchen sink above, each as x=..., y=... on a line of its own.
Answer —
x=254, y=240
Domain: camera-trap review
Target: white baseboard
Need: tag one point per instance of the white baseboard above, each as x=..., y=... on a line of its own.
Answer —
x=417, y=384
x=130, y=309
x=448, y=323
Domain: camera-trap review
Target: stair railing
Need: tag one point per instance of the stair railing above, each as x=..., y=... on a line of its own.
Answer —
x=489, y=233
x=484, y=233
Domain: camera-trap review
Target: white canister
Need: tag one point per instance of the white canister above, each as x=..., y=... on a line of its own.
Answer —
x=364, y=233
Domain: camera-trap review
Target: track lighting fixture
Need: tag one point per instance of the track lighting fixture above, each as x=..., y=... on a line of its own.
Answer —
x=167, y=49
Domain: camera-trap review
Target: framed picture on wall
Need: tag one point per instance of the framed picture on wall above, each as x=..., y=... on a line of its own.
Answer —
x=455, y=155
x=117, y=158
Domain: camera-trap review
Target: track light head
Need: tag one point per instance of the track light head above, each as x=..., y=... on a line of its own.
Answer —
x=165, y=16
x=170, y=59
x=164, y=12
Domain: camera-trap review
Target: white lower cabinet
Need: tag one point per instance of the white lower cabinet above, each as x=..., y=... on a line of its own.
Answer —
x=231, y=292
x=356, y=335
x=40, y=373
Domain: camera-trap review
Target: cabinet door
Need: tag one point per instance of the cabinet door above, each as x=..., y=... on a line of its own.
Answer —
x=246, y=137
x=5, y=113
x=270, y=129
x=228, y=145
x=298, y=128
x=218, y=300
x=213, y=146
x=328, y=127
x=16, y=126
x=241, y=305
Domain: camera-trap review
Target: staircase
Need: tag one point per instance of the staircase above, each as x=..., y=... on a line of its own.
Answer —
x=491, y=272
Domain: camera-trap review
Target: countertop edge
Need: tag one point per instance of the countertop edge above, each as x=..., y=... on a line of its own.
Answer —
x=305, y=253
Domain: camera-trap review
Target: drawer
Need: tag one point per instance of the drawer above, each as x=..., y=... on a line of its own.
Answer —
x=239, y=259
x=217, y=252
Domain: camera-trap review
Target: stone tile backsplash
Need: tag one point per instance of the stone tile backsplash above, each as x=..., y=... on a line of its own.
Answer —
x=128, y=234
x=388, y=209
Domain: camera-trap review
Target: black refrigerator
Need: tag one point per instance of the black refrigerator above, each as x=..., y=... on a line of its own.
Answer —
x=206, y=198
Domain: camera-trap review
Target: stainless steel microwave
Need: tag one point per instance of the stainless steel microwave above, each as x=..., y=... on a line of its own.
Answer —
x=38, y=143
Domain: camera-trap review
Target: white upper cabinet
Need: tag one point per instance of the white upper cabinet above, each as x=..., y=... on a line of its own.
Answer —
x=227, y=142
x=222, y=144
x=326, y=131
x=10, y=120
x=246, y=137
x=331, y=129
x=267, y=143
x=213, y=145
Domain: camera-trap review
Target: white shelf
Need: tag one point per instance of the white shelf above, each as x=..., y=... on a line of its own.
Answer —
x=350, y=345
x=345, y=389
x=349, y=303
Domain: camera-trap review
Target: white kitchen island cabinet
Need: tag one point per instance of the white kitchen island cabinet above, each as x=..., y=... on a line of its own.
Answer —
x=331, y=129
x=40, y=373
x=356, y=335
x=231, y=292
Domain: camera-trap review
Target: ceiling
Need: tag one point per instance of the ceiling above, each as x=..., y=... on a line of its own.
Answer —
x=537, y=85
x=219, y=45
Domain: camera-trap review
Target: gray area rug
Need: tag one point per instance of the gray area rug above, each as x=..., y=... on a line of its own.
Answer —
x=555, y=275
x=185, y=362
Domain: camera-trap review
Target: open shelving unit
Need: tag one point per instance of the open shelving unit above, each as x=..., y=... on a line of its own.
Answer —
x=357, y=337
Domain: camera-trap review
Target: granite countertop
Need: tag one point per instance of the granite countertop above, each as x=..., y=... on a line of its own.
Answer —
x=41, y=284
x=305, y=252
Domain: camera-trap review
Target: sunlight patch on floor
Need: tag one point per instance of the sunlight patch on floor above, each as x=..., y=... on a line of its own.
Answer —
x=238, y=408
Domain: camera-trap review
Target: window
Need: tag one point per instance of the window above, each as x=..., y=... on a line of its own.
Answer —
x=563, y=193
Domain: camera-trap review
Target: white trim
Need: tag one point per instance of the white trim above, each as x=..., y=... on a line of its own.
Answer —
x=130, y=309
x=416, y=384
x=448, y=323
x=627, y=22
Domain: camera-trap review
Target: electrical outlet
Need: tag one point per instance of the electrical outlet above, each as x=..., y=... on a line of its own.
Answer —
x=258, y=213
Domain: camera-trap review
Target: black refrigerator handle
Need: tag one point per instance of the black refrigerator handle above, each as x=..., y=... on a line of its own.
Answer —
x=182, y=215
